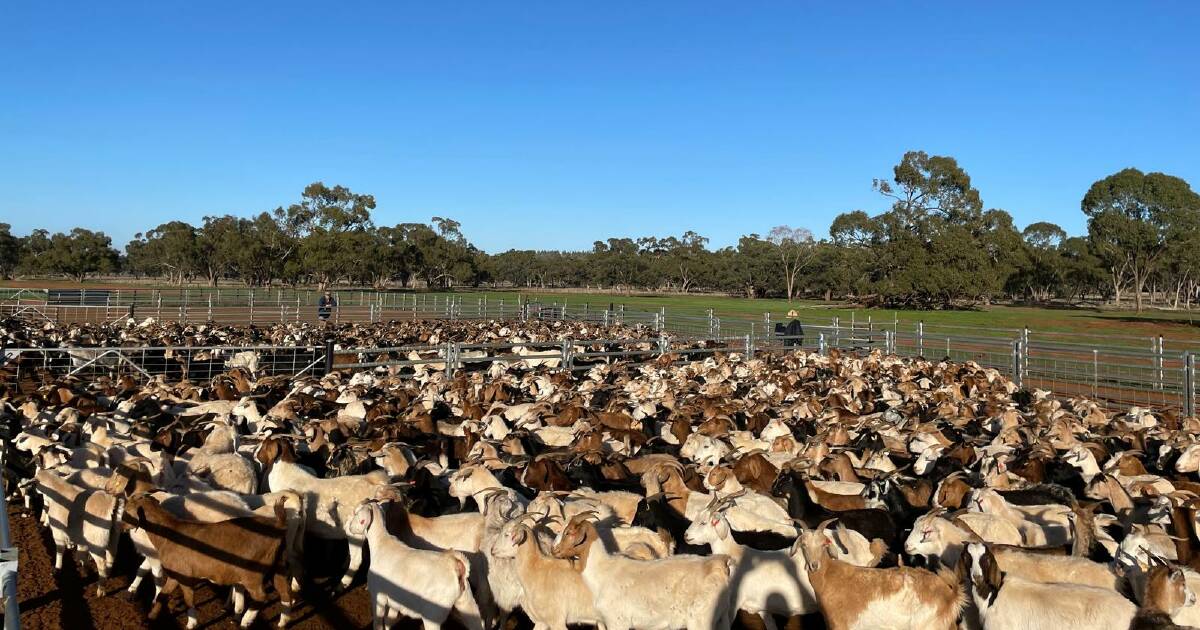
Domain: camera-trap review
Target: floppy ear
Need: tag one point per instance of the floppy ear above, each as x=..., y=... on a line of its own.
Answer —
x=963, y=569
x=993, y=577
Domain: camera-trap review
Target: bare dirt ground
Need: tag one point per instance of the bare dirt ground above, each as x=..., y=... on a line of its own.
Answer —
x=69, y=601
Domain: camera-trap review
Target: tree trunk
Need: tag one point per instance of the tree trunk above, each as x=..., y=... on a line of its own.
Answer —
x=1139, y=282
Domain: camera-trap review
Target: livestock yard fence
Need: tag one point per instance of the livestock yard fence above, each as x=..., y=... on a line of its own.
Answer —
x=1119, y=370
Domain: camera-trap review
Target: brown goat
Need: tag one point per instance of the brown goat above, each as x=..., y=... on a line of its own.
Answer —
x=756, y=472
x=243, y=552
x=1166, y=593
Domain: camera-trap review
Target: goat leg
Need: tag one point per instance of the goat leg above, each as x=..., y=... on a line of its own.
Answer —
x=137, y=579
x=282, y=586
x=356, y=553
x=189, y=598
x=168, y=587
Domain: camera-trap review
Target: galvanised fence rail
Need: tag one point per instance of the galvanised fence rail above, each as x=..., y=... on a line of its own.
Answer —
x=1120, y=370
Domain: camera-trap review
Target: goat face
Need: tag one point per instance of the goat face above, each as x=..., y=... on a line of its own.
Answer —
x=925, y=538
x=363, y=517
x=708, y=528
x=1189, y=461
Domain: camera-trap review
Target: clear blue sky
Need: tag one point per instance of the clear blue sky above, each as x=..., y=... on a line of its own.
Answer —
x=551, y=124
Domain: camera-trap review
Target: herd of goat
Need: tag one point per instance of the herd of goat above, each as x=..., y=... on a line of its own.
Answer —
x=877, y=491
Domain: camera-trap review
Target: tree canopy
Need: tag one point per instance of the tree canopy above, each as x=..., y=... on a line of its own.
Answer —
x=933, y=244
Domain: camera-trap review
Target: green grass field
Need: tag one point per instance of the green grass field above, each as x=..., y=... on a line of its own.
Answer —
x=1113, y=323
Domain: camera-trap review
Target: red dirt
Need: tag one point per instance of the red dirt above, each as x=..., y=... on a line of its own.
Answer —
x=70, y=601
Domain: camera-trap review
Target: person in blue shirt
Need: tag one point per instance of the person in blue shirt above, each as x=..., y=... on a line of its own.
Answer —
x=326, y=305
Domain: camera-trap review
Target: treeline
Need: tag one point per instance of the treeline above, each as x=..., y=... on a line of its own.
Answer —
x=936, y=245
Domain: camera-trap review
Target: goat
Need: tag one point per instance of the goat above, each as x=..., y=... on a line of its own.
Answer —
x=1007, y=602
x=413, y=583
x=81, y=519
x=553, y=592
x=329, y=503
x=933, y=535
x=763, y=583
x=675, y=592
x=1166, y=594
x=245, y=552
x=1040, y=526
x=899, y=597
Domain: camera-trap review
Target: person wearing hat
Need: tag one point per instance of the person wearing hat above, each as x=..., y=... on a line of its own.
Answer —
x=794, y=331
x=326, y=305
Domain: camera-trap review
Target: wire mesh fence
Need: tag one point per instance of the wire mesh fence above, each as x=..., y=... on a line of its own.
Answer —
x=1121, y=370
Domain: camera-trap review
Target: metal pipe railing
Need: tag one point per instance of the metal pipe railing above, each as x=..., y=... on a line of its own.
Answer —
x=8, y=558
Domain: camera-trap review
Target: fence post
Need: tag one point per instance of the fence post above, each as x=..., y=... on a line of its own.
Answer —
x=210, y=308
x=921, y=338
x=1189, y=384
x=749, y=345
x=1025, y=350
x=328, y=355
x=656, y=323
x=1017, y=358
x=251, y=298
x=566, y=354
x=451, y=357
x=297, y=308
x=1158, y=362
x=663, y=320
x=1096, y=371
x=821, y=343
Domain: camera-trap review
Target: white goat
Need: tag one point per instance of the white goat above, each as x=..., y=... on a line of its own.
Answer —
x=763, y=583
x=413, y=583
x=676, y=592
x=95, y=528
x=1008, y=602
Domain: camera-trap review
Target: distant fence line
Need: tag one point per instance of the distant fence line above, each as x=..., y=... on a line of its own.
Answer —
x=1121, y=370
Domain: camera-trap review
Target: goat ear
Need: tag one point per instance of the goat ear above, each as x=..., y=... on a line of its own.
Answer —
x=963, y=569
x=993, y=577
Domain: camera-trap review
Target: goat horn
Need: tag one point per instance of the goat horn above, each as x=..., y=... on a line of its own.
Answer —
x=526, y=516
